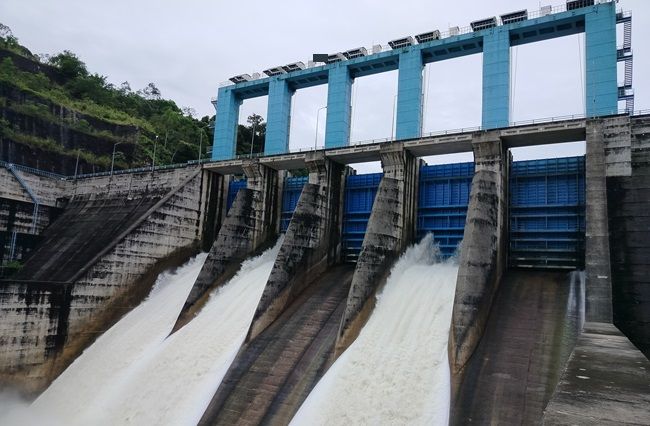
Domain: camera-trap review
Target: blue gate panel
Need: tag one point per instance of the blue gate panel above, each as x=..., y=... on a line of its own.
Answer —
x=233, y=189
x=442, y=204
x=290, y=195
x=547, y=213
x=360, y=191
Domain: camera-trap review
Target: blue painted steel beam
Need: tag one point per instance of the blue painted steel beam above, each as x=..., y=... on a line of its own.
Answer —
x=496, y=78
x=600, y=57
x=542, y=28
x=409, y=95
x=598, y=22
x=278, y=117
x=225, y=130
x=339, y=107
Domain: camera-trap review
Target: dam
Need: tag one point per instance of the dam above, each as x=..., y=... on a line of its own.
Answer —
x=288, y=288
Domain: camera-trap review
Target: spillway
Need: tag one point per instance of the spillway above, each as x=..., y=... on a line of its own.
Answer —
x=397, y=370
x=135, y=374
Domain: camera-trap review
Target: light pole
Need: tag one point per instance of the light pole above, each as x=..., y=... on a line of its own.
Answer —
x=76, y=166
x=253, y=137
x=153, y=162
x=317, y=117
x=392, y=129
x=113, y=158
x=200, y=143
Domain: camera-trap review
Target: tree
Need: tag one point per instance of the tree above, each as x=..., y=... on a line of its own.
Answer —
x=69, y=64
x=150, y=92
x=254, y=119
x=245, y=135
x=5, y=31
x=125, y=88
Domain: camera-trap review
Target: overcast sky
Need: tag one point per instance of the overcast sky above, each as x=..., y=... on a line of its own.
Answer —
x=188, y=47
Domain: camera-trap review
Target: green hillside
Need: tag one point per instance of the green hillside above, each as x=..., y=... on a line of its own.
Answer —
x=53, y=110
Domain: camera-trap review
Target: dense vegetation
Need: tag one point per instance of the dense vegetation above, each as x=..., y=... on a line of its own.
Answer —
x=140, y=121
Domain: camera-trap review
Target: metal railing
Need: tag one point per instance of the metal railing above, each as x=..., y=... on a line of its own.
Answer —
x=32, y=170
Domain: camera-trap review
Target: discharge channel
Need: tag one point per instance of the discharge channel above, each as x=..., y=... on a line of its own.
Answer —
x=397, y=370
x=135, y=374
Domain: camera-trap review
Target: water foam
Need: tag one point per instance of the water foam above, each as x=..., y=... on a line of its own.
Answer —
x=397, y=370
x=135, y=374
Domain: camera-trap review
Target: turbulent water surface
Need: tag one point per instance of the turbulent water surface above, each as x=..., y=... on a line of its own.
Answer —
x=135, y=374
x=397, y=370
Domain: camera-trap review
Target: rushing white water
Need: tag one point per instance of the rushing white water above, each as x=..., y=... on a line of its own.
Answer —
x=135, y=374
x=397, y=370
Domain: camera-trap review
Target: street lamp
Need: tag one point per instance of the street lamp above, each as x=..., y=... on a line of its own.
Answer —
x=113, y=158
x=392, y=129
x=153, y=161
x=317, y=116
x=253, y=137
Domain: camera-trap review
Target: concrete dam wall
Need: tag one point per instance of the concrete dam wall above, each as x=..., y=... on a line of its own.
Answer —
x=315, y=303
x=96, y=261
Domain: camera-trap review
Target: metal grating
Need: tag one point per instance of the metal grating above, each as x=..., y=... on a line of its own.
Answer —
x=290, y=195
x=233, y=189
x=360, y=191
x=547, y=213
x=442, y=205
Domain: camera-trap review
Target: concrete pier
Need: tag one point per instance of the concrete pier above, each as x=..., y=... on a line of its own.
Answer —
x=391, y=228
x=483, y=255
x=311, y=243
x=250, y=225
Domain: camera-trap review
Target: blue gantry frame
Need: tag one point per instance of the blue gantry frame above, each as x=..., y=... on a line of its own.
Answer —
x=598, y=22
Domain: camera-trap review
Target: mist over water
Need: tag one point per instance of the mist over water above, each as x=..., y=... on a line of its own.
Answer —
x=135, y=374
x=397, y=370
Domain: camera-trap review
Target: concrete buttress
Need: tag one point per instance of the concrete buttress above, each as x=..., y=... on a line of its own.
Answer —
x=311, y=243
x=249, y=225
x=483, y=254
x=597, y=262
x=390, y=228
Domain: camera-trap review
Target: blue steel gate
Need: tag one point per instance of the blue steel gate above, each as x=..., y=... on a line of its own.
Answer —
x=360, y=191
x=233, y=189
x=290, y=195
x=547, y=213
x=442, y=204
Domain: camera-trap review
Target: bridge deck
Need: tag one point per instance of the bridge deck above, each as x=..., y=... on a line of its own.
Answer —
x=571, y=130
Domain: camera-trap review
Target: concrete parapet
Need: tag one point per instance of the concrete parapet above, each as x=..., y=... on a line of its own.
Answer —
x=597, y=258
x=484, y=250
x=390, y=228
x=311, y=243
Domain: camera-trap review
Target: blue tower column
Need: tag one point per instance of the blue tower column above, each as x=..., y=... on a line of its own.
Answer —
x=409, y=95
x=496, y=78
x=279, y=117
x=225, y=127
x=339, y=107
x=600, y=57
